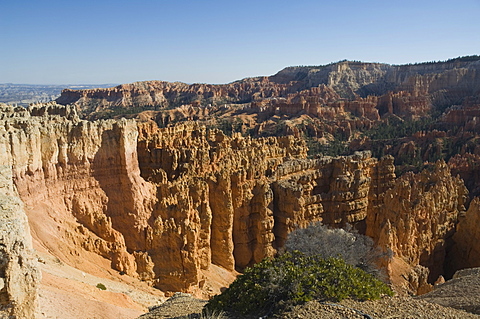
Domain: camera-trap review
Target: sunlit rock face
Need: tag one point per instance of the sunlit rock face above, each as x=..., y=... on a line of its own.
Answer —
x=165, y=204
x=417, y=220
x=19, y=274
x=159, y=204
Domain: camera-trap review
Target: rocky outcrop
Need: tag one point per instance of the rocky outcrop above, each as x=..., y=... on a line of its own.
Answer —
x=159, y=206
x=335, y=191
x=165, y=204
x=461, y=292
x=219, y=185
x=418, y=217
x=467, y=166
x=466, y=252
x=81, y=183
x=19, y=274
x=155, y=94
x=345, y=77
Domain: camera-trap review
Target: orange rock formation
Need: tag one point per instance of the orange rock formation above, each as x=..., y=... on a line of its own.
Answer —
x=19, y=274
x=165, y=204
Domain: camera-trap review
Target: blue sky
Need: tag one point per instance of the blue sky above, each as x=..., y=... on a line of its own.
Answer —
x=210, y=41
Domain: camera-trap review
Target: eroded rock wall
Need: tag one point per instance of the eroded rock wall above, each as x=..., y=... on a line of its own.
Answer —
x=166, y=94
x=164, y=204
x=80, y=181
x=232, y=174
x=19, y=273
x=85, y=192
x=467, y=250
x=335, y=191
x=418, y=217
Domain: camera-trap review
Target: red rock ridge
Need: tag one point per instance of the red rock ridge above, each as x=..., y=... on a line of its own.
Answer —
x=407, y=91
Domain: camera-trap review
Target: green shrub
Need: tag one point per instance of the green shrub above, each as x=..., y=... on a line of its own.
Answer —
x=335, y=147
x=395, y=127
x=273, y=285
x=355, y=249
x=101, y=286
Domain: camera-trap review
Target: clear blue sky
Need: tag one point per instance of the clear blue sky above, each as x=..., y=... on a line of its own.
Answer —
x=210, y=41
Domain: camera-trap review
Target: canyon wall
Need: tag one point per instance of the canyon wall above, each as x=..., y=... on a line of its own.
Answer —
x=159, y=204
x=165, y=204
x=19, y=274
x=169, y=204
x=418, y=218
x=466, y=252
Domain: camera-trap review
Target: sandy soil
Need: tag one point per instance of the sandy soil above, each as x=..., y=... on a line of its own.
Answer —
x=388, y=308
x=66, y=292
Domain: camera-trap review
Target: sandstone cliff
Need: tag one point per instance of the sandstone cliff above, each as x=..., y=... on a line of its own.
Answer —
x=417, y=220
x=466, y=252
x=19, y=273
x=159, y=207
x=165, y=94
x=467, y=166
x=166, y=204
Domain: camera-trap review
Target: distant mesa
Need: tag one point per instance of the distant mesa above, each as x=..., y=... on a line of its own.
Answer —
x=25, y=94
x=404, y=90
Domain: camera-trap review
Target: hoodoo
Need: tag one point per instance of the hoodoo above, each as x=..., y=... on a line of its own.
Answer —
x=182, y=186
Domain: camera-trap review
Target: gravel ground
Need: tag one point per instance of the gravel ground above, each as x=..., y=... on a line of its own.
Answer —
x=67, y=292
x=178, y=305
x=461, y=292
x=388, y=308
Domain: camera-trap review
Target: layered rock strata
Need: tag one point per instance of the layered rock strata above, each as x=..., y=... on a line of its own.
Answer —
x=19, y=274
x=84, y=191
x=467, y=166
x=164, y=204
x=363, y=89
x=166, y=94
x=218, y=186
